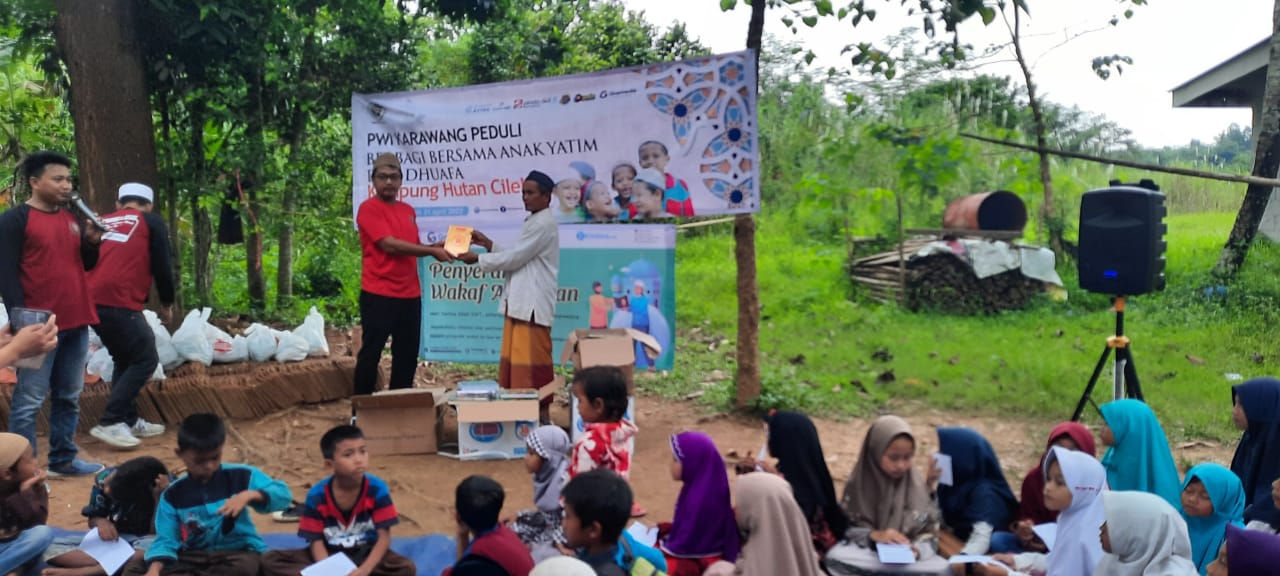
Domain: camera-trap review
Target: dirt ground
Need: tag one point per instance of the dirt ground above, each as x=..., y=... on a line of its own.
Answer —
x=286, y=445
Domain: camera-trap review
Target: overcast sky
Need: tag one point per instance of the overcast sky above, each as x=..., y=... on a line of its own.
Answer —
x=1170, y=41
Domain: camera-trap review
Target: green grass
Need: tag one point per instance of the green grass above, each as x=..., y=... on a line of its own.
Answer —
x=817, y=343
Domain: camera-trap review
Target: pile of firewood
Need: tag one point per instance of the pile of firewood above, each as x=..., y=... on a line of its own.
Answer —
x=940, y=282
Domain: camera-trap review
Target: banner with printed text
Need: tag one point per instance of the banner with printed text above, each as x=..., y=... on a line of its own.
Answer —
x=611, y=276
x=686, y=129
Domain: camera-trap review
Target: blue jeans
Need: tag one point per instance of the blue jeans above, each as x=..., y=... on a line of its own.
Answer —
x=62, y=378
x=1005, y=543
x=27, y=547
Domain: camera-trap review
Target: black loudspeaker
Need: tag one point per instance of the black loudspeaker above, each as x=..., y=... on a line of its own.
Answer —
x=1122, y=239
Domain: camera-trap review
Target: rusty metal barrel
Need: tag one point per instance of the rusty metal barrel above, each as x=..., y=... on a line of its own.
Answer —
x=999, y=210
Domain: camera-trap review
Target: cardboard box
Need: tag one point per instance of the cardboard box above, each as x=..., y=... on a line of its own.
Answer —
x=609, y=347
x=399, y=421
x=497, y=429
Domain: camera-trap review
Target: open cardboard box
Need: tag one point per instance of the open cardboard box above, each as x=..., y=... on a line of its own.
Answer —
x=399, y=421
x=497, y=429
x=611, y=347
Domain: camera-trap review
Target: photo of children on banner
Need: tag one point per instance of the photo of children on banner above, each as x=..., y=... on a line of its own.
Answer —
x=648, y=194
x=624, y=175
x=654, y=156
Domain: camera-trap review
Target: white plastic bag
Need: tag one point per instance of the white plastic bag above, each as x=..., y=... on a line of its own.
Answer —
x=291, y=347
x=262, y=342
x=101, y=365
x=189, y=340
x=169, y=357
x=312, y=329
x=226, y=349
x=158, y=375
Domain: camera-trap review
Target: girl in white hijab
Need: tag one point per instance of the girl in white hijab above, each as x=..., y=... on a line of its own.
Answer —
x=1143, y=536
x=1074, y=484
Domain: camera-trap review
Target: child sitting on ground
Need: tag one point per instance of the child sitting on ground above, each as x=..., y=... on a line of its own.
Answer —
x=1069, y=435
x=1247, y=552
x=349, y=512
x=1143, y=535
x=1074, y=484
x=24, y=505
x=597, y=506
x=1212, y=499
x=887, y=502
x=602, y=403
x=1139, y=457
x=703, y=530
x=1256, y=411
x=485, y=546
x=122, y=505
x=200, y=527
x=548, y=461
x=979, y=501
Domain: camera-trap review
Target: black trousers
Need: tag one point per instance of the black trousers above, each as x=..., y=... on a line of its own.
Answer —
x=380, y=317
x=132, y=345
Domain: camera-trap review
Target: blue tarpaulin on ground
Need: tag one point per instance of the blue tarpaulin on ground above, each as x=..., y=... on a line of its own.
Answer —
x=432, y=553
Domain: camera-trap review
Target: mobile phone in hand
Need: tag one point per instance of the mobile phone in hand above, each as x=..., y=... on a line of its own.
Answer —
x=20, y=318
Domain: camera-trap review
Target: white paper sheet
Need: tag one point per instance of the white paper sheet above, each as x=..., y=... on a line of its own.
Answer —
x=1048, y=533
x=943, y=463
x=643, y=534
x=111, y=555
x=975, y=559
x=335, y=565
x=895, y=554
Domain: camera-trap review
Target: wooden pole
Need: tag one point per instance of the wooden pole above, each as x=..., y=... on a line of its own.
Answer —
x=1242, y=179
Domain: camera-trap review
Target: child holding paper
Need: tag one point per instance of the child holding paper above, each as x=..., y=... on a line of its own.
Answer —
x=1069, y=435
x=122, y=506
x=703, y=530
x=1139, y=457
x=1074, y=484
x=979, y=501
x=597, y=506
x=1212, y=499
x=350, y=512
x=887, y=503
x=1143, y=536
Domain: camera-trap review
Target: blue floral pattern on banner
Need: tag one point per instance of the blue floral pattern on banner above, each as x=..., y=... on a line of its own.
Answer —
x=711, y=94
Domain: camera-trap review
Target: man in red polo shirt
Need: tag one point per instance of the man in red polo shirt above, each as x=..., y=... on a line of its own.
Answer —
x=390, y=294
x=45, y=253
x=134, y=253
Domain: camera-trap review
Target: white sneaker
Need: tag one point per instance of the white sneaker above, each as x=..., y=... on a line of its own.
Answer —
x=117, y=435
x=144, y=429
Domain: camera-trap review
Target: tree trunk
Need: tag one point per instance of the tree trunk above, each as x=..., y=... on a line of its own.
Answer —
x=1266, y=163
x=257, y=283
x=1048, y=214
x=171, y=204
x=744, y=236
x=200, y=222
x=289, y=196
x=115, y=142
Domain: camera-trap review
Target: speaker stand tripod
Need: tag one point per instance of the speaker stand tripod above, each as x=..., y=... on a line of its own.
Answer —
x=1124, y=374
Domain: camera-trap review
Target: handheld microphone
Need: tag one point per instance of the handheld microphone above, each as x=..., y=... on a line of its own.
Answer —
x=83, y=209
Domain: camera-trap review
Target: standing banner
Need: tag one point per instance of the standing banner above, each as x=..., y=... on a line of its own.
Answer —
x=465, y=151
x=611, y=276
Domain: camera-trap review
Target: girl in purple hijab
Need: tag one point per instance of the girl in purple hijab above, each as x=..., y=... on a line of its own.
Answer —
x=703, y=530
x=1247, y=552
